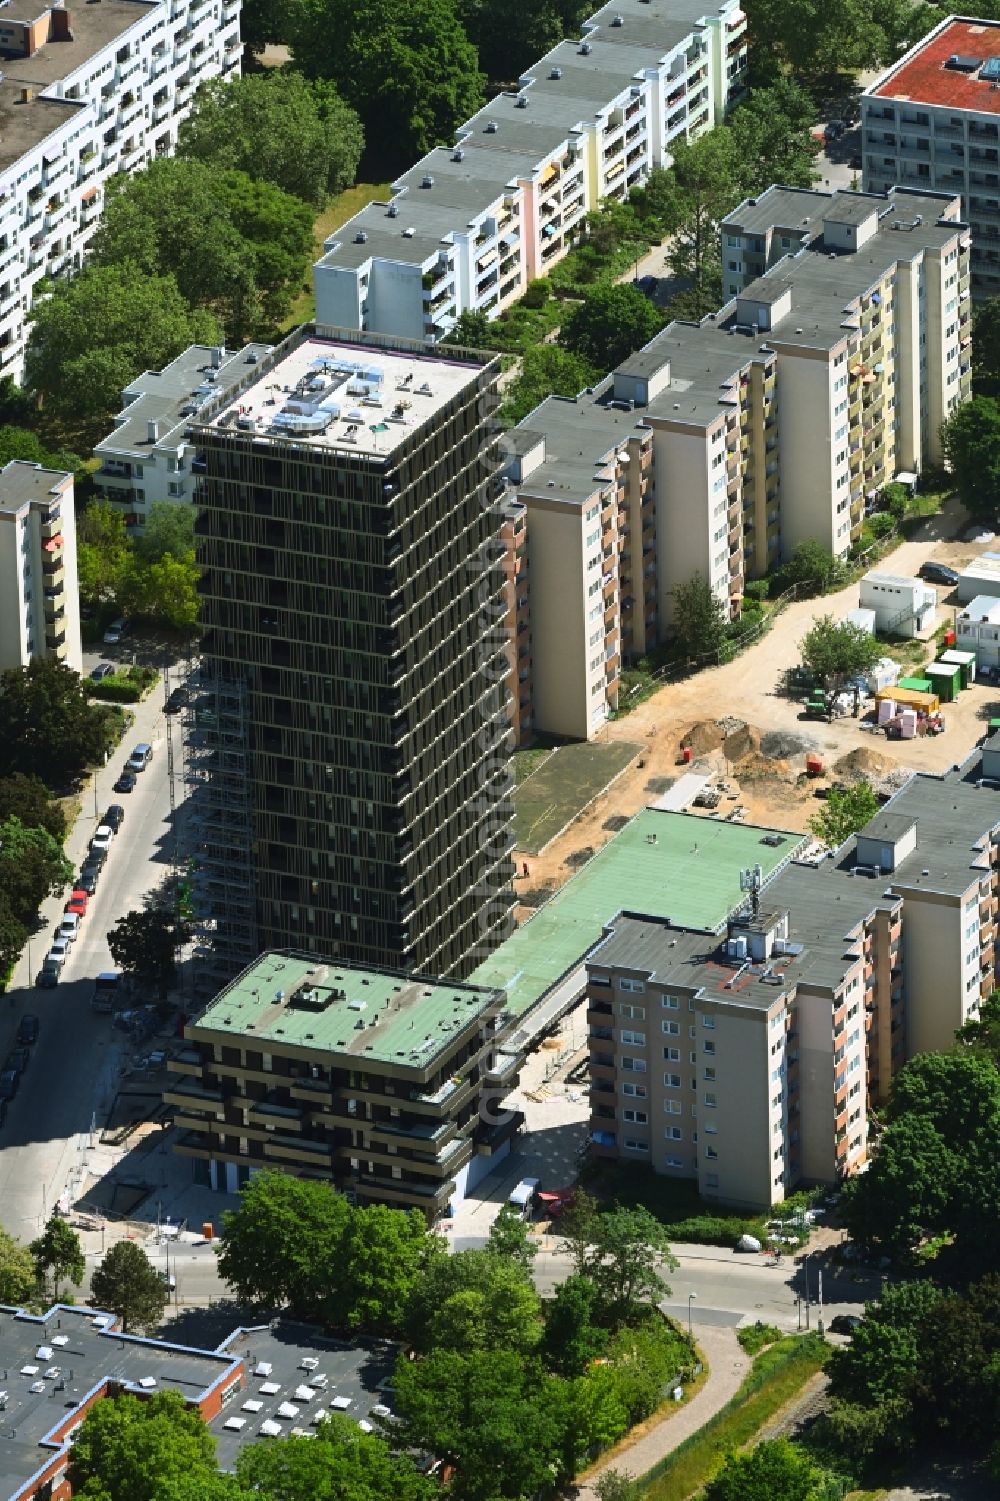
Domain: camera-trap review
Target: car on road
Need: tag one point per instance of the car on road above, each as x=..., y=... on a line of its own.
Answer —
x=846, y=1323
x=114, y=633
x=938, y=573
x=87, y=879
x=834, y=130
x=27, y=1029
x=17, y=1059
x=70, y=926
x=140, y=758
x=102, y=838
x=78, y=902
x=8, y=1084
x=114, y=816
x=47, y=977
x=179, y=697
x=126, y=782
x=101, y=671
x=58, y=953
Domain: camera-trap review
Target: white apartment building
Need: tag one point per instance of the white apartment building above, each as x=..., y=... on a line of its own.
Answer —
x=932, y=120
x=469, y=226
x=88, y=90
x=39, y=602
x=148, y=457
x=768, y=424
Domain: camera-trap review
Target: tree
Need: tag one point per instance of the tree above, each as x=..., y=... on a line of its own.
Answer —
x=382, y=1253
x=406, y=66
x=96, y=331
x=236, y=247
x=474, y=1300
x=813, y=566
x=13, y=935
x=298, y=135
x=837, y=650
x=546, y=370
x=774, y=1470
x=145, y=944
x=17, y=1272
x=265, y=21
x=621, y=1252
x=51, y=729
x=283, y=1246
x=609, y=324
x=510, y=36
x=982, y=1033
x=58, y=1250
x=21, y=443
x=32, y=867
x=815, y=39
x=986, y=347
x=701, y=187
x=165, y=592
x=844, y=813
x=169, y=529
x=511, y=1240
x=127, y=1284
x=340, y=1462
x=772, y=134
x=102, y=550
x=132, y=1450
x=572, y=1339
x=616, y=1485
x=699, y=618
x=472, y=329
x=971, y=442
x=26, y=797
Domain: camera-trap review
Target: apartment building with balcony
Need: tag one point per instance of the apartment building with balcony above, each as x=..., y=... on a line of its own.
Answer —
x=381, y=1082
x=722, y=445
x=149, y=457
x=39, y=601
x=749, y=1056
x=469, y=226
x=89, y=90
x=932, y=120
x=352, y=703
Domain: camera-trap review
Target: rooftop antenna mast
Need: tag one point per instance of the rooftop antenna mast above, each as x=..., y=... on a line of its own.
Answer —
x=751, y=878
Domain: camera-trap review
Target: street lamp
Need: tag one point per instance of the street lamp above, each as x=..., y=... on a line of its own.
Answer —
x=691, y=1298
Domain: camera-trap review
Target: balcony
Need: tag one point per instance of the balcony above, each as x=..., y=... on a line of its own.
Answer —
x=189, y=1093
x=296, y=1149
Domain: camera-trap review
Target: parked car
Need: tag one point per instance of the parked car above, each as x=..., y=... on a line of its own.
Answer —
x=17, y=1059
x=126, y=782
x=93, y=865
x=78, y=902
x=845, y=1323
x=177, y=700
x=87, y=880
x=48, y=976
x=70, y=926
x=8, y=1085
x=57, y=954
x=113, y=816
x=114, y=633
x=102, y=838
x=27, y=1029
x=101, y=671
x=140, y=758
x=938, y=573
x=834, y=130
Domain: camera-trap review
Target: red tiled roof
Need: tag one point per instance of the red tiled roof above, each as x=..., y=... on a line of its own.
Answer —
x=926, y=80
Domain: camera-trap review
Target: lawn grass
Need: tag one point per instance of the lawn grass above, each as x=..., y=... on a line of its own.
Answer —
x=524, y=763
x=337, y=212
x=775, y=1377
x=561, y=786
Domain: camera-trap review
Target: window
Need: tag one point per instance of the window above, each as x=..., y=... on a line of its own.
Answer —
x=711, y=1180
x=710, y=1075
x=634, y=1013
x=672, y=1107
x=632, y=1145
x=635, y=1117
x=634, y=1065
x=672, y=1162
x=671, y=1081
x=710, y=1101
x=634, y=1091
x=671, y=1055
x=711, y=1154
x=672, y=1029
x=708, y=1021
x=670, y=1002
x=673, y=1133
x=636, y=987
x=633, y=1039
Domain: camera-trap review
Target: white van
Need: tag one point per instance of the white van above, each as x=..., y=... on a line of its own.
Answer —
x=69, y=927
x=522, y=1197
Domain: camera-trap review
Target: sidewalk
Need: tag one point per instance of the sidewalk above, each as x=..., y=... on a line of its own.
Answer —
x=727, y=1366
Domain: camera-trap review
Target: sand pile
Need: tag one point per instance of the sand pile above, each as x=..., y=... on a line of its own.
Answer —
x=741, y=742
x=758, y=768
x=702, y=737
x=782, y=745
x=864, y=764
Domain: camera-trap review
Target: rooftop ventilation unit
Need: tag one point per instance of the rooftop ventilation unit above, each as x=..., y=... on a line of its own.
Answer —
x=360, y=238
x=393, y=210
x=427, y=181
x=618, y=20
x=555, y=72
x=521, y=102
x=963, y=64
x=458, y=155
x=586, y=48
x=491, y=127
x=409, y=233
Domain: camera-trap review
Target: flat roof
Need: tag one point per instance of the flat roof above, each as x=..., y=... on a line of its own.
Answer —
x=825, y=907
x=25, y=125
x=171, y=396
x=923, y=77
x=355, y=1372
x=92, y=28
x=384, y=1016
x=953, y=817
x=576, y=446
x=690, y=874
x=22, y=483
x=357, y=398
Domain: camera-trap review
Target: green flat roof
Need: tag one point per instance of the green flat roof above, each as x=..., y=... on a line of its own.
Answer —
x=691, y=875
x=385, y=1016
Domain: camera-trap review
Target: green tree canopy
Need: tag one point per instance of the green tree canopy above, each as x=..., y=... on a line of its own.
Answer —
x=58, y=1251
x=699, y=618
x=572, y=1338
x=837, y=650
x=283, y=1245
x=382, y=1254
x=22, y=443
x=844, y=812
x=131, y=1450
x=546, y=370
x=237, y=248
x=17, y=1272
x=511, y=36
x=511, y=1239
x=169, y=529
x=294, y=133
x=102, y=550
x=96, y=331
x=623, y=1252
x=971, y=442
x=474, y=1300
x=126, y=1283
x=815, y=39
x=340, y=1463
x=813, y=566
x=50, y=727
x=700, y=188
x=26, y=797
x=406, y=66
x=986, y=347
x=774, y=1470
x=265, y=21
x=164, y=592
x=145, y=944
x=609, y=324
x=772, y=135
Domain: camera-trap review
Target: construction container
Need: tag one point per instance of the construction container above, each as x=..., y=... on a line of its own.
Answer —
x=946, y=678
x=910, y=698
x=916, y=684
x=863, y=619
x=966, y=661
x=883, y=674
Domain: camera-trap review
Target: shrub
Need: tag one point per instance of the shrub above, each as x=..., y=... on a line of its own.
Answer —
x=755, y=1337
x=882, y=525
x=537, y=293
x=757, y=590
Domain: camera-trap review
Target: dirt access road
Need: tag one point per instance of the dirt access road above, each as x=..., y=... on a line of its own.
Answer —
x=747, y=689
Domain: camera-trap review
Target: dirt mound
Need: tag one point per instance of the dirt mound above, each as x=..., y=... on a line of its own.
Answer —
x=580, y=857
x=863, y=763
x=741, y=742
x=757, y=768
x=782, y=745
x=702, y=737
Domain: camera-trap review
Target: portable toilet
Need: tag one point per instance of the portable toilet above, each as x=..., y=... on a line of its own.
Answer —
x=946, y=680
x=966, y=661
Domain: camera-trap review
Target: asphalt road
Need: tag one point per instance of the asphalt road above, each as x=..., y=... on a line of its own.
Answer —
x=76, y=1061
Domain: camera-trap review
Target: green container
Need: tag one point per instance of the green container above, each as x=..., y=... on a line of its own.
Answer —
x=917, y=685
x=945, y=679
